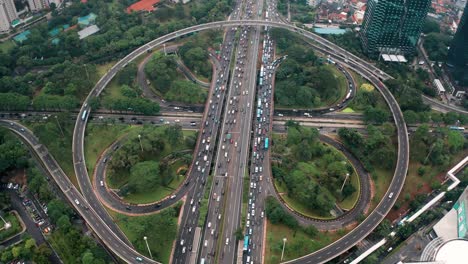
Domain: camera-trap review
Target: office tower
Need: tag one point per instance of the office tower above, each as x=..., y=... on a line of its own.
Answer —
x=7, y=14
x=458, y=52
x=393, y=26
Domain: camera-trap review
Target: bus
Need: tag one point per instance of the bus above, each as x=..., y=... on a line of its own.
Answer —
x=266, y=143
x=246, y=243
x=83, y=116
x=457, y=128
x=258, y=113
x=261, y=81
x=259, y=104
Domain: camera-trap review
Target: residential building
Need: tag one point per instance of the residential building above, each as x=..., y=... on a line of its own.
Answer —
x=393, y=26
x=313, y=3
x=7, y=14
x=37, y=5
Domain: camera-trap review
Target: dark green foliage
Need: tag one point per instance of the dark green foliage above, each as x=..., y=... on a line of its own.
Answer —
x=435, y=148
x=377, y=150
x=127, y=74
x=14, y=101
x=300, y=80
x=436, y=46
x=430, y=26
x=162, y=70
x=12, y=152
x=312, y=173
x=194, y=54
x=134, y=165
x=277, y=215
x=375, y=115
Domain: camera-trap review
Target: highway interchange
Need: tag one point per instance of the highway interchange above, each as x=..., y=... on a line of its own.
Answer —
x=89, y=206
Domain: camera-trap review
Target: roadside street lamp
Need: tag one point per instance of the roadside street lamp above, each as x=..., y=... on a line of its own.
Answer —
x=342, y=186
x=7, y=224
x=146, y=241
x=139, y=139
x=284, y=244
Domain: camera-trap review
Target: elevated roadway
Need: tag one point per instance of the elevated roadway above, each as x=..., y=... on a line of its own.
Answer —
x=369, y=71
x=75, y=198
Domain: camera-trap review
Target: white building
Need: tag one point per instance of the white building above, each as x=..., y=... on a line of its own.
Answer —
x=313, y=3
x=7, y=14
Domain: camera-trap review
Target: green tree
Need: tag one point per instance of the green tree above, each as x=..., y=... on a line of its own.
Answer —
x=87, y=258
x=430, y=26
x=127, y=74
x=375, y=115
x=455, y=140
x=239, y=234
x=144, y=176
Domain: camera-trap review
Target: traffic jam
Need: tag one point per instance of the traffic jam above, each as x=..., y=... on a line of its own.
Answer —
x=260, y=146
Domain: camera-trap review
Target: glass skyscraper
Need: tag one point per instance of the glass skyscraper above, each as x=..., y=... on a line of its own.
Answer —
x=458, y=52
x=393, y=26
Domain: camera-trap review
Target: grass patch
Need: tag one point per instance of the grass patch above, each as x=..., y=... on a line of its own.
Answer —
x=342, y=86
x=103, y=68
x=113, y=90
x=382, y=179
x=13, y=230
x=160, y=230
x=348, y=110
x=57, y=134
x=349, y=202
x=298, y=243
x=358, y=79
x=7, y=45
x=414, y=182
x=98, y=138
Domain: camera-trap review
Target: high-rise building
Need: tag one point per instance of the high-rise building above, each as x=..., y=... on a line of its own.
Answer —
x=393, y=26
x=458, y=52
x=7, y=14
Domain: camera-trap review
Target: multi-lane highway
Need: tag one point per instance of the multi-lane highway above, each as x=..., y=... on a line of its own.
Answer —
x=355, y=63
x=81, y=205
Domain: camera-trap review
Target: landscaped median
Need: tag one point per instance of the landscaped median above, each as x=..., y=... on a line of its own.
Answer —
x=159, y=229
x=150, y=163
x=300, y=240
x=312, y=177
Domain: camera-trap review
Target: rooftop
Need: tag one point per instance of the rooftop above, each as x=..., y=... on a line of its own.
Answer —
x=146, y=5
